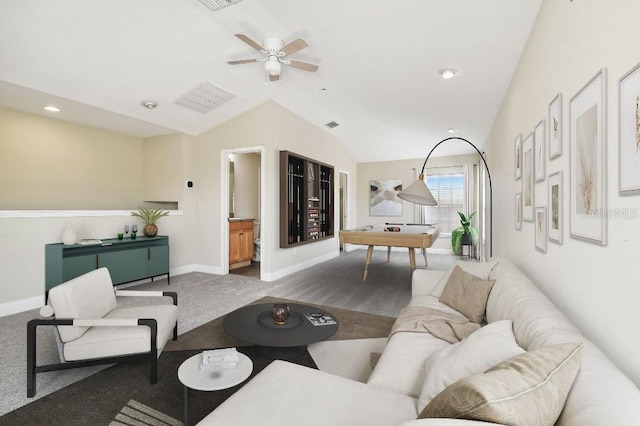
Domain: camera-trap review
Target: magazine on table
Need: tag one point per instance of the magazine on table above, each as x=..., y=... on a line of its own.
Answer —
x=318, y=319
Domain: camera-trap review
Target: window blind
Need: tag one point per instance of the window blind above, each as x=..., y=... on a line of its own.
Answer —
x=448, y=190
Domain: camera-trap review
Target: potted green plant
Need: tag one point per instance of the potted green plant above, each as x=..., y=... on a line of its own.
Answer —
x=465, y=234
x=150, y=217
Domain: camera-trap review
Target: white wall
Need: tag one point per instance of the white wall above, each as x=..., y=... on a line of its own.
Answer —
x=405, y=171
x=597, y=287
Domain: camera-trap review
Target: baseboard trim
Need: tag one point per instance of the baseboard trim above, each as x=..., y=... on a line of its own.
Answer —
x=22, y=305
x=298, y=267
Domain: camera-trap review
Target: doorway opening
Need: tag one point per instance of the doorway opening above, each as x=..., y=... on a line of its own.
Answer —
x=242, y=241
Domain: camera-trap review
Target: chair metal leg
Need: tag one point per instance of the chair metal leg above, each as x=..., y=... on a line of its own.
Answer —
x=31, y=359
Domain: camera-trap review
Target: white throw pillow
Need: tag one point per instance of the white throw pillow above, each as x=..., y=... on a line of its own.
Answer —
x=479, y=269
x=475, y=354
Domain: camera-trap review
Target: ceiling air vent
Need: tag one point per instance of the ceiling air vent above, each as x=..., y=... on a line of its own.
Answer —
x=204, y=98
x=332, y=124
x=218, y=4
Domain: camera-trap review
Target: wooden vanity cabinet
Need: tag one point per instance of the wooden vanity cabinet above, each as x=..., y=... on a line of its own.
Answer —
x=240, y=243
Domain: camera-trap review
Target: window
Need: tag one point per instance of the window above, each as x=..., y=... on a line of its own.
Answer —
x=448, y=190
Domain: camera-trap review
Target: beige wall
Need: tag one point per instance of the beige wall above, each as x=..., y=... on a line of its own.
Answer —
x=405, y=170
x=595, y=286
x=49, y=164
x=276, y=128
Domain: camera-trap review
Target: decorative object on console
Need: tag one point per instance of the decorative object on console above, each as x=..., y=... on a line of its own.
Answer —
x=419, y=193
x=150, y=217
x=280, y=313
x=69, y=236
x=629, y=110
x=588, y=161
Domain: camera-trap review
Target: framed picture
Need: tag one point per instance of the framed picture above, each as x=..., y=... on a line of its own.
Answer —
x=629, y=94
x=588, y=161
x=555, y=207
x=517, y=157
x=555, y=127
x=541, y=229
x=539, y=143
x=518, y=211
x=383, y=198
x=527, y=179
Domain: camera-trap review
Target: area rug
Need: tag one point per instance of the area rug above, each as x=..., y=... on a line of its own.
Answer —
x=122, y=394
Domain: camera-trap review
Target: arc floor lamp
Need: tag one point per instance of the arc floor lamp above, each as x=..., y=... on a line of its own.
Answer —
x=418, y=192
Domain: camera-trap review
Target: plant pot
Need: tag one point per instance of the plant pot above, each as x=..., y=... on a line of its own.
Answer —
x=150, y=230
x=466, y=240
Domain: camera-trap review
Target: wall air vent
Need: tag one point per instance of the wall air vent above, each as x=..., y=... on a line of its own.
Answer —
x=204, y=98
x=218, y=4
x=332, y=124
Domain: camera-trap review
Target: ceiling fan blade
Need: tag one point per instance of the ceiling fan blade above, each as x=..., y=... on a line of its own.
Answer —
x=243, y=61
x=303, y=65
x=295, y=46
x=250, y=42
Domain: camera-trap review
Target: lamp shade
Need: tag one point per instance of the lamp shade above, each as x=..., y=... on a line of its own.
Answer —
x=419, y=193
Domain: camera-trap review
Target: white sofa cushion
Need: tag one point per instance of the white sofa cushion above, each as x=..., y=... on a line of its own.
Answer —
x=89, y=296
x=475, y=354
x=289, y=394
x=98, y=342
x=401, y=366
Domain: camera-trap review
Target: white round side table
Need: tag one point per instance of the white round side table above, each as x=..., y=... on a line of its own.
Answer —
x=192, y=377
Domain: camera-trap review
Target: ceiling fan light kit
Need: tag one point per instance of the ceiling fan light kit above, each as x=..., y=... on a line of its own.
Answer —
x=275, y=51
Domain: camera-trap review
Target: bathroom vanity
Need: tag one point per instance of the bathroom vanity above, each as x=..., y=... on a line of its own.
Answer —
x=240, y=242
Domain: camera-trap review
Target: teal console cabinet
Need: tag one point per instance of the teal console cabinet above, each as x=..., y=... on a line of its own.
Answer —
x=127, y=260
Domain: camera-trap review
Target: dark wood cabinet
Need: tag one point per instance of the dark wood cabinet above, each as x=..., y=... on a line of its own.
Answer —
x=306, y=200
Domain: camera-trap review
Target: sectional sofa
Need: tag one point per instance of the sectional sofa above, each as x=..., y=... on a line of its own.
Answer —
x=520, y=362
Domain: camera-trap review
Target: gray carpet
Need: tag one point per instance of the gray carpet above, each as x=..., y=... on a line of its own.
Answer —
x=204, y=297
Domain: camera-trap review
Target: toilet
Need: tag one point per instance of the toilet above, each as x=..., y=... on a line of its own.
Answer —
x=256, y=241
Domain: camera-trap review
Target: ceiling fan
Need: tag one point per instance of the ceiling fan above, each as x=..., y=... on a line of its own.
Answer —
x=276, y=51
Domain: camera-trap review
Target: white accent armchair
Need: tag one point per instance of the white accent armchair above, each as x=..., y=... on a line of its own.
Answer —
x=91, y=330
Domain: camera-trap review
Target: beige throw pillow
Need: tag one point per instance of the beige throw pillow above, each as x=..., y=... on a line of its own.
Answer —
x=481, y=270
x=528, y=389
x=467, y=294
x=478, y=352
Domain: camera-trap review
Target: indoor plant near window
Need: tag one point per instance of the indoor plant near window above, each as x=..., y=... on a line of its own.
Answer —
x=150, y=217
x=464, y=235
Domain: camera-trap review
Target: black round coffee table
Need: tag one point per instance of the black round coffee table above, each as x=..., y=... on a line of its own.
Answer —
x=250, y=324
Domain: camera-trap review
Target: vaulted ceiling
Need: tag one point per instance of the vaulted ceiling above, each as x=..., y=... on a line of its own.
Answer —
x=378, y=77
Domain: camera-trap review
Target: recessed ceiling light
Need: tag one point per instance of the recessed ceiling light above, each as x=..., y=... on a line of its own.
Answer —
x=448, y=73
x=51, y=108
x=452, y=130
x=149, y=104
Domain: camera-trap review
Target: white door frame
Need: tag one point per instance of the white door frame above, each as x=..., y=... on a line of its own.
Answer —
x=346, y=204
x=224, y=206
